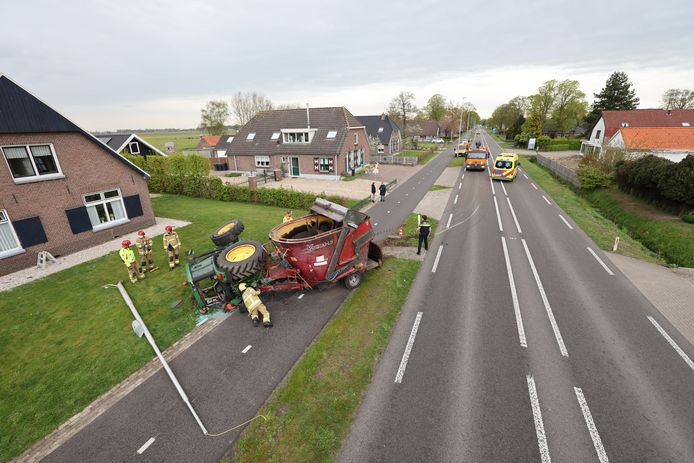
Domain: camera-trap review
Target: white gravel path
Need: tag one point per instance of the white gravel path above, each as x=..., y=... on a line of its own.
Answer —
x=30, y=274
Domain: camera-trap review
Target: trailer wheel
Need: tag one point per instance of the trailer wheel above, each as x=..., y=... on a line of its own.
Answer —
x=227, y=233
x=352, y=280
x=242, y=260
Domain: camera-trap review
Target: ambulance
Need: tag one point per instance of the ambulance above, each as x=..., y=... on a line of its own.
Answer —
x=505, y=167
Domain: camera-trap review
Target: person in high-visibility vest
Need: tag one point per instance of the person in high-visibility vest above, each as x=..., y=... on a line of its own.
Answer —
x=143, y=243
x=172, y=244
x=289, y=216
x=254, y=305
x=424, y=230
x=127, y=255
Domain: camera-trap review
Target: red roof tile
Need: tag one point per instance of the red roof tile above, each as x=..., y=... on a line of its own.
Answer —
x=615, y=120
x=208, y=141
x=659, y=138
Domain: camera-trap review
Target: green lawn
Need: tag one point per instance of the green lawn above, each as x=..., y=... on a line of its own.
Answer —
x=595, y=225
x=65, y=339
x=311, y=413
x=183, y=139
x=410, y=237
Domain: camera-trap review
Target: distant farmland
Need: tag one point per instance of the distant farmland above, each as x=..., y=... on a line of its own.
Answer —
x=183, y=139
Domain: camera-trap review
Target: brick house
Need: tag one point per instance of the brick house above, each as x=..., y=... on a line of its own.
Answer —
x=61, y=189
x=612, y=121
x=384, y=134
x=320, y=143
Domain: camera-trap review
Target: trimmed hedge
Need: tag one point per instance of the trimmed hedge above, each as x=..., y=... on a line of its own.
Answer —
x=189, y=176
x=667, y=183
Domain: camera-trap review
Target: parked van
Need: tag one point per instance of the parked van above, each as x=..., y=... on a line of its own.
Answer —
x=505, y=167
x=461, y=149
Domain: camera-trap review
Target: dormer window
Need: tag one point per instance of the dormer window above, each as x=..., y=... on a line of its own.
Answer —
x=275, y=136
x=250, y=136
x=298, y=135
x=625, y=124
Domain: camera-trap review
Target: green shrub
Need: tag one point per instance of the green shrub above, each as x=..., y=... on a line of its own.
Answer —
x=592, y=177
x=689, y=218
x=543, y=141
x=557, y=148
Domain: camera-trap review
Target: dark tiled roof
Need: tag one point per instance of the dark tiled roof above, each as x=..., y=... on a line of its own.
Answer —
x=114, y=140
x=374, y=123
x=268, y=122
x=22, y=112
x=224, y=143
x=645, y=118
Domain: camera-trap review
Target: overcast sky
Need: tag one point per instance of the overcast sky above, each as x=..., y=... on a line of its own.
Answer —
x=153, y=64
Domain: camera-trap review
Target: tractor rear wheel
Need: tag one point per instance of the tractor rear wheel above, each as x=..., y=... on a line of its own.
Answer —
x=242, y=260
x=227, y=233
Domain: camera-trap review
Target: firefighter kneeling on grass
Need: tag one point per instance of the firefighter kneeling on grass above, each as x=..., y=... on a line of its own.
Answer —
x=254, y=305
x=128, y=257
x=172, y=244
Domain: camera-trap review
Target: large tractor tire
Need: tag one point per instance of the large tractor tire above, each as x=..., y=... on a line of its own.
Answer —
x=242, y=260
x=227, y=233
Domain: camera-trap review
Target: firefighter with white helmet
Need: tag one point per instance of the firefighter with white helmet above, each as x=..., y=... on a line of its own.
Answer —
x=128, y=257
x=254, y=305
x=172, y=245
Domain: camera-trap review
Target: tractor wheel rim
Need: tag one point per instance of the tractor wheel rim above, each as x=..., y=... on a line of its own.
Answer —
x=226, y=228
x=240, y=253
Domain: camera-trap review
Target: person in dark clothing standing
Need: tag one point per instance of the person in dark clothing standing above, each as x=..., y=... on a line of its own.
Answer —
x=382, y=190
x=424, y=229
x=373, y=192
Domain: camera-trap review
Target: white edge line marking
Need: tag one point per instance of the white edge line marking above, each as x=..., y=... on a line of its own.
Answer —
x=450, y=217
x=492, y=184
x=674, y=345
x=607, y=269
x=248, y=347
x=300, y=296
x=565, y=222
x=546, y=200
x=537, y=417
x=145, y=446
x=455, y=201
x=548, y=308
x=408, y=349
x=436, y=261
x=526, y=177
x=534, y=186
x=461, y=178
x=504, y=188
x=597, y=443
x=513, y=213
x=460, y=185
x=514, y=297
x=498, y=216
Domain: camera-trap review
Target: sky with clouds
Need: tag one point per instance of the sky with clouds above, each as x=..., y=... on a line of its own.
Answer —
x=155, y=63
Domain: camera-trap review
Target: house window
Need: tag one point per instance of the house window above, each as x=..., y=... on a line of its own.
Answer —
x=685, y=124
x=230, y=139
x=32, y=162
x=134, y=147
x=356, y=138
x=597, y=134
x=380, y=130
x=262, y=161
x=297, y=137
x=9, y=243
x=275, y=136
x=324, y=164
x=105, y=209
x=625, y=124
x=381, y=149
x=331, y=134
x=250, y=136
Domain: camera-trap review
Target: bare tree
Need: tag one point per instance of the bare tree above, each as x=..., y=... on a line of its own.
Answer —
x=289, y=106
x=402, y=109
x=676, y=98
x=247, y=105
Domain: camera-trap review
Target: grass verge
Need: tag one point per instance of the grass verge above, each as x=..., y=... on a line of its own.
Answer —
x=438, y=187
x=311, y=413
x=410, y=237
x=65, y=340
x=600, y=229
x=501, y=140
x=456, y=162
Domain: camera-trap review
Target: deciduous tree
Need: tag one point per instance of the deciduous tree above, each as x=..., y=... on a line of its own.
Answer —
x=213, y=116
x=247, y=105
x=676, y=98
x=402, y=109
x=436, y=107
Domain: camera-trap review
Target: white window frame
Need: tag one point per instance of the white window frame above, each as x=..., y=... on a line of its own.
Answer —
x=250, y=136
x=381, y=149
x=380, y=130
x=332, y=134
x=102, y=202
x=130, y=147
x=275, y=135
x=320, y=164
x=292, y=136
x=261, y=160
x=16, y=250
x=356, y=138
x=597, y=134
x=36, y=177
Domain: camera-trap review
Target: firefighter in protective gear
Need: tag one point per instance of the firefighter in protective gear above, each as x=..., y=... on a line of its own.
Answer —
x=254, y=305
x=172, y=244
x=143, y=243
x=127, y=255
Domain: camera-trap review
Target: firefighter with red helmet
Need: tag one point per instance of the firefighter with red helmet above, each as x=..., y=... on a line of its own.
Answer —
x=127, y=255
x=172, y=244
x=143, y=243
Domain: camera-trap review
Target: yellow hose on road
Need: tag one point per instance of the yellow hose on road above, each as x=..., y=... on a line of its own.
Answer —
x=237, y=426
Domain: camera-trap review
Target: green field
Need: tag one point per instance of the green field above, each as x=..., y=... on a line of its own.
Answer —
x=183, y=140
x=65, y=339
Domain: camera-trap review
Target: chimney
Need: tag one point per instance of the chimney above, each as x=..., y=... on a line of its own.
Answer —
x=308, y=117
x=383, y=116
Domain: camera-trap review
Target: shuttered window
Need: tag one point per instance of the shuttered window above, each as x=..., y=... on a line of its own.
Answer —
x=105, y=209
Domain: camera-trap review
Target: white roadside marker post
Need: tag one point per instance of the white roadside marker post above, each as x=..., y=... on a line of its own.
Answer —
x=616, y=244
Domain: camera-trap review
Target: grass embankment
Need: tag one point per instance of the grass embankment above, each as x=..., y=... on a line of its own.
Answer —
x=410, y=236
x=311, y=413
x=65, y=340
x=183, y=140
x=600, y=229
x=670, y=238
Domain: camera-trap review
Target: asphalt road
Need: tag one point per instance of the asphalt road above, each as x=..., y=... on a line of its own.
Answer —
x=521, y=342
x=225, y=384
